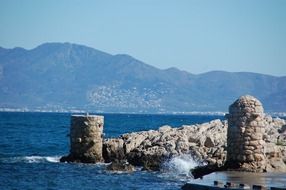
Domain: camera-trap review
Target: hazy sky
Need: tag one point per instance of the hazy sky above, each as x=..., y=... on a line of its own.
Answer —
x=196, y=36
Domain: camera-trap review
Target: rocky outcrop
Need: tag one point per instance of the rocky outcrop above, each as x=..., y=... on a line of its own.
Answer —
x=120, y=166
x=113, y=149
x=206, y=142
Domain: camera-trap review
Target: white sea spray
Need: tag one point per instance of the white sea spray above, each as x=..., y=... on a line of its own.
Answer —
x=180, y=165
x=31, y=159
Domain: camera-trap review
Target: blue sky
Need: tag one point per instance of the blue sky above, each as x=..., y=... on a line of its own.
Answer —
x=196, y=36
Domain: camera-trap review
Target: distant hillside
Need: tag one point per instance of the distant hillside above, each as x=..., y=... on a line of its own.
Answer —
x=64, y=75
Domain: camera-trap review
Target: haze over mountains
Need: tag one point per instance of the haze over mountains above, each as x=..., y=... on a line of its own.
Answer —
x=63, y=75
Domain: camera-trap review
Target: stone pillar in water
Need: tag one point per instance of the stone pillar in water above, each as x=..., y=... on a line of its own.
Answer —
x=246, y=128
x=86, y=138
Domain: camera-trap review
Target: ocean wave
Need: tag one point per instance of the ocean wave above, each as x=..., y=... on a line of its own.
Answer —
x=31, y=159
x=180, y=165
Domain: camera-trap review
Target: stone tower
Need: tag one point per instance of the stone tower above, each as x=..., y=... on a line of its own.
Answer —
x=246, y=128
x=86, y=139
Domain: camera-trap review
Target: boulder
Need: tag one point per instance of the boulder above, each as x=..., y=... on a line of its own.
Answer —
x=282, y=130
x=281, y=140
x=120, y=166
x=113, y=149
x=150, y=159
x=276, y=165
x=132, y=141
x=165, y=128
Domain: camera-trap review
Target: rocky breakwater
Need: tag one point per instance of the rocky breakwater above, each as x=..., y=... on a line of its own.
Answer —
x=256, y=142
x=250, y=139
x=206, y=142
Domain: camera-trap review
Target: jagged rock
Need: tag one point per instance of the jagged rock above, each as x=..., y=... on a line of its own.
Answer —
x=150, y=159
x=209, y=142
x=200, y=171
x=281, y=140
x=113, y=149
x=132, y=141
x=151, y=148
x=120, y=165
x=276, y=165
x=165, y=128
x=282, y=130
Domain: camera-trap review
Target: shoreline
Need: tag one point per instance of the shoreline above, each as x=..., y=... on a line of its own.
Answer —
x=195, y=113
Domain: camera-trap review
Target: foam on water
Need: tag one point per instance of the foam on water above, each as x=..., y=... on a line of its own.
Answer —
x=181, y=165
x=31, y=159
x=39, y=159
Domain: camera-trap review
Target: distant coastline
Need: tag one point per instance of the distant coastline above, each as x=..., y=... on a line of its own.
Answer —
x=62, y=110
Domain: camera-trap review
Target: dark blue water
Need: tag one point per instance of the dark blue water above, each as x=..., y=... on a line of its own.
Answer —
x=31, y=144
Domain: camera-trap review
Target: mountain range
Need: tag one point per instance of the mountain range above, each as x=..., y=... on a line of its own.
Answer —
x=70, y=76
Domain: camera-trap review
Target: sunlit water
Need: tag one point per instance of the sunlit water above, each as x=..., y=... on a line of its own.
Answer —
x=32, y=143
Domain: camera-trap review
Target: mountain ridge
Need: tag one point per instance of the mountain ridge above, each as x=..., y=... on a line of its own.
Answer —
x=67, y=75
x=127, y=55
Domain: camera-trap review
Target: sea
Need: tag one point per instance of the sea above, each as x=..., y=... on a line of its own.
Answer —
x=31, y=145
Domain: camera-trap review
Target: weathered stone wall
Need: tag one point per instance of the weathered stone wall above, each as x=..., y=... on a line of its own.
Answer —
x=246, y=129
x=86, y=138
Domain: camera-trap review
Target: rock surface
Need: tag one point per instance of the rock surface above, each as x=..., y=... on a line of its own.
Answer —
x=120, y=166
